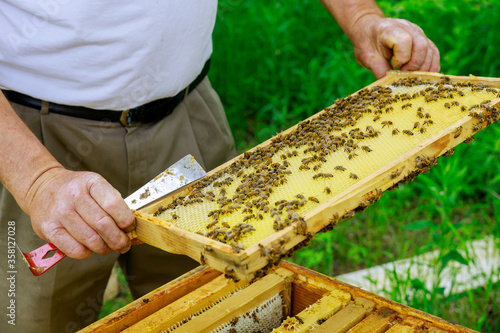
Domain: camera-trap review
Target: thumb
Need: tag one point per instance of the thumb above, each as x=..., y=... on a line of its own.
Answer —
x=380, y=66
x=400, y=42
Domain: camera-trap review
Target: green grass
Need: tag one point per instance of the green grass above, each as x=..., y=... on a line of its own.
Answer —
x=278, y=62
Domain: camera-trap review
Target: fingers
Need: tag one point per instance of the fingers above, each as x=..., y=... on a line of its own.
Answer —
x=436, y=59
x=110, y=200
x=402, y=43
x=81, y=213
x=380, y=66
x=101, y=231
x=58, y=235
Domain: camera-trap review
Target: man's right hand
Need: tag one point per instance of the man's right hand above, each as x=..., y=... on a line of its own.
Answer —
x=79, y=212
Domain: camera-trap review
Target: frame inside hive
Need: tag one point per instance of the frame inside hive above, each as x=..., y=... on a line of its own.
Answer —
x=354, y=309
x=243, y=264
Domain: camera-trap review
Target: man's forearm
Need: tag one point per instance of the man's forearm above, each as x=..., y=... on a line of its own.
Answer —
x=348, y=12
x=23, y=157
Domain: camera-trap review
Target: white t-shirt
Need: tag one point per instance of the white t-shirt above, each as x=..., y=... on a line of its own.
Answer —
x=103, y=54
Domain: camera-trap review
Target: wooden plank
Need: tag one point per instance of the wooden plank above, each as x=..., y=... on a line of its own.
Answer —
x=246, y=300
x=152, y=302
x=409, y=325
x=304, y=296
x=168, y=237
x=244, y=264
x=310, y=317
x=435, y=330
x=348, y=317
x=192, y=303
x=400, y=328
x=377, y=322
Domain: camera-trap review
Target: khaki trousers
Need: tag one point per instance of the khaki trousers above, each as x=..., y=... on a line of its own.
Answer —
x=69, y=296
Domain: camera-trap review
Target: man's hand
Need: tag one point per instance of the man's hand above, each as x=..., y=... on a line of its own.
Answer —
x=80, y=213
x=381, y=44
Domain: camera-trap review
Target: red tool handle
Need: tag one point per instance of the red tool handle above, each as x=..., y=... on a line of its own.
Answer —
x=37, y=261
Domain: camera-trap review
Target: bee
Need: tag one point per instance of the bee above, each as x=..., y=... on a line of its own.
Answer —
x=420, y=109
x=461, y=93
x=340, y=168
x=304, y=167
x=396, y=173
x=406, y=106
x=386, y=123
x=376, y=118
x=420, y=114
x=237, y=248
x=427, y=122
x=457, y=132
x=313, y=199
x=226, y=225
x=447, y=105
x=463, y=108
x=427, y=115
x=449, y=152
x=327, y=190
x=212, y=224
x=416, y=125
x=395, y=131
x=348, y=215
x=208, y=248
x=366, y=148
x=422, y=130
x=202, y=259
x=248, y=217
x=352, y=155
x=316, y=167
x=469, y=139
x=353, y=176
x=407, y=132
x=254, y=316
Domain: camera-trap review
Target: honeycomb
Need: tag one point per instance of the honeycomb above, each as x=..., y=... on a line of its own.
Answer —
x=272, y=186
x=263, y=318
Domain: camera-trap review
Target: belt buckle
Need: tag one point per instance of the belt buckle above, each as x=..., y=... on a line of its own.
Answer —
x=125, y=119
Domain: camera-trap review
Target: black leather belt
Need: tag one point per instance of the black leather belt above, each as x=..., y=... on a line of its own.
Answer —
x=146, y=113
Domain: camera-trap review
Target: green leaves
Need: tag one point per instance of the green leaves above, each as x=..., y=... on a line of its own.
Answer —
x=419, y=225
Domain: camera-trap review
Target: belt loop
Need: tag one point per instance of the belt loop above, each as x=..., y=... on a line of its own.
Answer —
x=45, y=108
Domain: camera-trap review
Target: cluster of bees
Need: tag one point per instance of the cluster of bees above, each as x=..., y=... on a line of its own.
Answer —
x=271, y=186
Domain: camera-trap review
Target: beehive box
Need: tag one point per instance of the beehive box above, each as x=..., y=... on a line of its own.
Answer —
x=244, y=216
x=289, y=298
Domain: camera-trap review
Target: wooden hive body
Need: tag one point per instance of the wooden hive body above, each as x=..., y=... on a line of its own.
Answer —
x=247, y=262
x=311, y=302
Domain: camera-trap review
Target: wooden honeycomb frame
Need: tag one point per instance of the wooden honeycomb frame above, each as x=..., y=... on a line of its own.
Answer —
x=357, y=310
x=246, y=264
